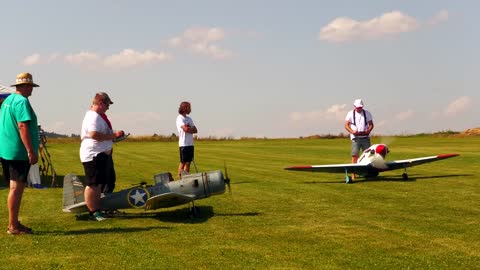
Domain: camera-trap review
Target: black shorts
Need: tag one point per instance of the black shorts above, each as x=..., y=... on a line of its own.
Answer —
x=97, y=170
x=15, y=170
x=186, y=154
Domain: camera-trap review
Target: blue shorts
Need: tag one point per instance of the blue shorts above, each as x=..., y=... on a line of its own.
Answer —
x=15, y=170
x=360, y=143
x=186, y=154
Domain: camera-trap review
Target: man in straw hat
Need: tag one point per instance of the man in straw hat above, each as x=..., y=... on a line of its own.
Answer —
x=19, y=146
x=359, y=123
x=96, y=153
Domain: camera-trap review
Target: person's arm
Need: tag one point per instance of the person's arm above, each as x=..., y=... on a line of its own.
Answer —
x=98, y=136
x=189, y=129
x=193, y=129
x=27, y=142
x=348, y=128
x=370, y=127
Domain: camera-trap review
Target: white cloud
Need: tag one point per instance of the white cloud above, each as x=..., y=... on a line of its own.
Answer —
x=83, y=58
x=32, y=59
x=405, y=115
x=458, y=106
x=335, y=112
x=53, y=57
x=128, y=58
x=202, y=40
x=36, y=59
x=125, y=59
x=439, y=17
x=346, y=29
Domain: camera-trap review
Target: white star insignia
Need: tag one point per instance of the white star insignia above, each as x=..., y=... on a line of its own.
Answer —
x=138, y=196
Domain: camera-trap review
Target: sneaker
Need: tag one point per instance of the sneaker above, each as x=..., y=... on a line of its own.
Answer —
x=98, y=216
x=38, y=186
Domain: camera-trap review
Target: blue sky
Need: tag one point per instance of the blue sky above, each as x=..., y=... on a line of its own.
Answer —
x=249, y=68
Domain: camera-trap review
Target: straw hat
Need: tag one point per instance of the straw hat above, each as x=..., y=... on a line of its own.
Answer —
x=25, y=78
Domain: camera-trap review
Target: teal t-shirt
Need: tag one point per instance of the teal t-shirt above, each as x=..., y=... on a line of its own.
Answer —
x=16, y=108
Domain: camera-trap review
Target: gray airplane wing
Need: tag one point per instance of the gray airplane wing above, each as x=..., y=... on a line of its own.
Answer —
x=167, y=200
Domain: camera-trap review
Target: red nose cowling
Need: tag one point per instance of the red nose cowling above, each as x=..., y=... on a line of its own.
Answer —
x=382, y=150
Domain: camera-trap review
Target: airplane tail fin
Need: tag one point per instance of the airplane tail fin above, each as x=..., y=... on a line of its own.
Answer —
x=72, y=190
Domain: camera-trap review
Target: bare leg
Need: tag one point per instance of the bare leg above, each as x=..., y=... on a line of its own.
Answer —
x=180, y=169
x=183, y=167
x=92, y=197
x=14, y=200
x=354, y=160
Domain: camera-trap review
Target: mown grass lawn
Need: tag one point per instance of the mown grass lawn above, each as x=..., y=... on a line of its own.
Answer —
x=273, y=219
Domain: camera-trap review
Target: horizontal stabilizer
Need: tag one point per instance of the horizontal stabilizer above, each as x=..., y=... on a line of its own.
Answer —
x=76, y=208
x=167, y=200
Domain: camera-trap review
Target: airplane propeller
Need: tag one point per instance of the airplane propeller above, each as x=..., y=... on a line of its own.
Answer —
x=226, y=179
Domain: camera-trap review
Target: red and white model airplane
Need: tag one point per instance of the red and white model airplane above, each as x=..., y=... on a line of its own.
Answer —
x=371, y=163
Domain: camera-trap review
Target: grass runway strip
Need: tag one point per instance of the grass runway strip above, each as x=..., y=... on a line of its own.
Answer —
x=273, y=219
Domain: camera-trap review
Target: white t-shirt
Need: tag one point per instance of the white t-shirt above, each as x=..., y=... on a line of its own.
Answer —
x=90, y=147
x=361, y=124
x=184, y=138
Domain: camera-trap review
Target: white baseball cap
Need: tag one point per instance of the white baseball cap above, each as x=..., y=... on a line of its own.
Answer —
x=358, y=103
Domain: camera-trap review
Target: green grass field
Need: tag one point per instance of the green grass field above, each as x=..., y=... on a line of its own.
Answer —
x=273, y=219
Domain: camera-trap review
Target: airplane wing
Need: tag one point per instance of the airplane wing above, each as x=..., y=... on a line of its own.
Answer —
x=333, y=168
x=76, y=208
x=401, y=164
x=168, y=200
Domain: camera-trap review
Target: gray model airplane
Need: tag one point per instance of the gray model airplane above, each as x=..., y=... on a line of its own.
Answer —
x=164, y=193
x=371, y=163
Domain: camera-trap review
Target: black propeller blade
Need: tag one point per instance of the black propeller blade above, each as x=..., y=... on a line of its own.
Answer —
x=227, y=179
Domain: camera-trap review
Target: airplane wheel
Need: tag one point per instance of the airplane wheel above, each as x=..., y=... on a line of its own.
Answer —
x=405, y=176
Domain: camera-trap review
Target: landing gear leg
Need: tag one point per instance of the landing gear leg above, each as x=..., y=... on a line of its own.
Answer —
x=193, y=210
x=348, y=179
x=405, y=175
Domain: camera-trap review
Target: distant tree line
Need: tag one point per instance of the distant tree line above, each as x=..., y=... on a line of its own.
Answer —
x=173, y=137
x=56, y=135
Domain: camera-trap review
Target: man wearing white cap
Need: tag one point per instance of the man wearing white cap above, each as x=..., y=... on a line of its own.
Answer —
x=359, y=123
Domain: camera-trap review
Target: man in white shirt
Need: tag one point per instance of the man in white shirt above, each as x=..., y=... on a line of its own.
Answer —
x=96, y=152
x=359, y=123
x=186, y=129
